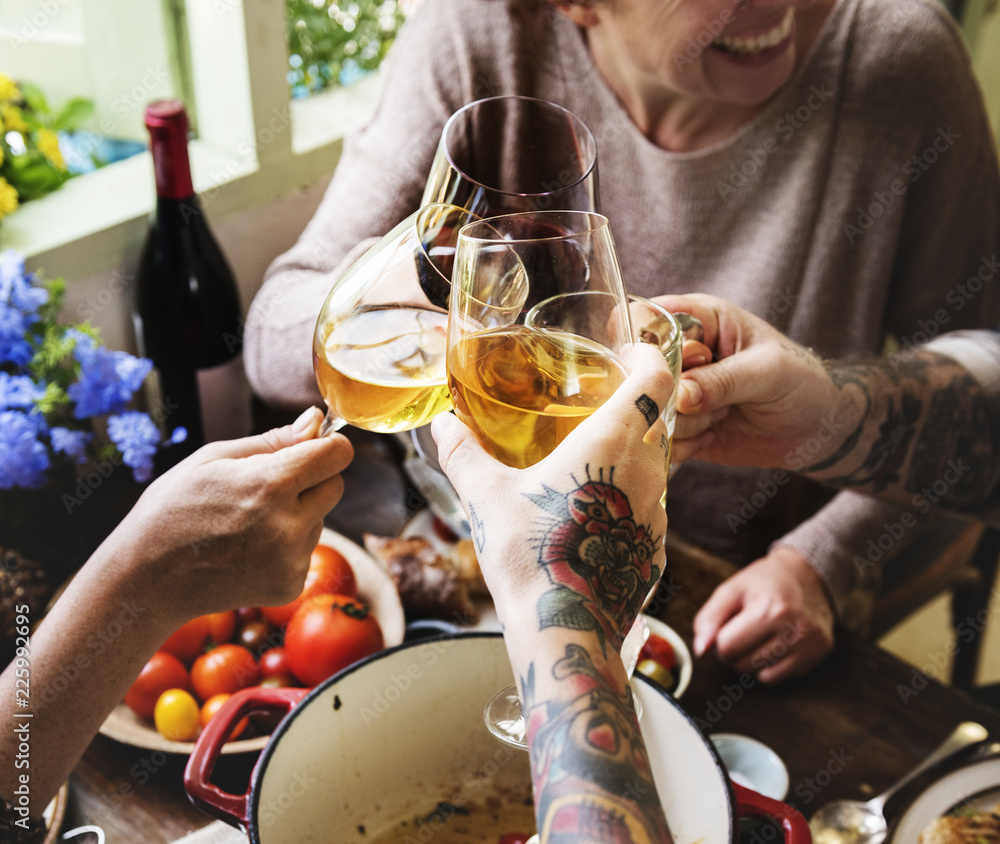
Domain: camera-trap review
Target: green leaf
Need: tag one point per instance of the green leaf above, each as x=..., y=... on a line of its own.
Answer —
x=34, y=175
x=73, y=114
x=35, y=99
x=562, y=607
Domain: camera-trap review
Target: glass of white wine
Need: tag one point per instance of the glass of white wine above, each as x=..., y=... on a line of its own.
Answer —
x=380, y=339
x=523, y=386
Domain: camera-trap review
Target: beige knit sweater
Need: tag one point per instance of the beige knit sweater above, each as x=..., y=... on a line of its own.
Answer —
x=855, y=204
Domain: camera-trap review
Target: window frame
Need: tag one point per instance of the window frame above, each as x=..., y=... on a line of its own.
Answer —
x=254, y=145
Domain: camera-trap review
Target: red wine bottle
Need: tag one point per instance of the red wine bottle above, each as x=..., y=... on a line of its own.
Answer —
x=187, y=312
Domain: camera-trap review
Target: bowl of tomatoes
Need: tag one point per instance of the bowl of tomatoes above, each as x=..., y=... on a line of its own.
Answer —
x=348, y=609
x=665, y=658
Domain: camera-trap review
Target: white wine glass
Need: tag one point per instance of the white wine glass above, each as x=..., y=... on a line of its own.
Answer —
x=521, y=386
x=509, y=154
x=539, y=322
x=380, y=339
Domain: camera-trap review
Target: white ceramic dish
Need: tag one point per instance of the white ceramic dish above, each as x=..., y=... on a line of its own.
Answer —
x=375, y=588
x=976, y=786
x=753, y=764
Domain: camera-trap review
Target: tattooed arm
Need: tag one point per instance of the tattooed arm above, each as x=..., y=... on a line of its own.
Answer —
x=920, y=426
x=569, y=548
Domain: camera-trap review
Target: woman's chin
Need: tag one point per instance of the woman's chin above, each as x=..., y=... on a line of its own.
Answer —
x=751, y=79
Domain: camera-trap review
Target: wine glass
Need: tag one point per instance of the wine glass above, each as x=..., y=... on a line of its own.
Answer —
x=509, y=154
x=539, y=321
x=379, y=344
x=522, y=385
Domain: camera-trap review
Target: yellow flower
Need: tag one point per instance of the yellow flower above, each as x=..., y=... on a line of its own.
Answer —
x=12, y=117
x=8, y=90
x=1, y=156
x=8, y=198
x=48, y=143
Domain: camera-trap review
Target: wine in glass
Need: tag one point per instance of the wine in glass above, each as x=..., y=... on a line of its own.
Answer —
x=523, y=385
x=508, y=154
x=380, y=339
x=524, y=375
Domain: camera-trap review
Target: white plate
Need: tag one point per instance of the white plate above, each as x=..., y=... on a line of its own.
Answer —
x=978, y=784
x=375, y=588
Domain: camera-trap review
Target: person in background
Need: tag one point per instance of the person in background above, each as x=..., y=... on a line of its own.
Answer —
x=234, y=525
x=920, y=426
x=825, y=164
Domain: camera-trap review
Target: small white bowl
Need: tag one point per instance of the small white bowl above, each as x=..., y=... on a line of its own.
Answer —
x=753, y=764
x=684, y=661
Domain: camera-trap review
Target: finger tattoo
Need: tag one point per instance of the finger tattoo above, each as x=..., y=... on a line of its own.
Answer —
x=647, y=407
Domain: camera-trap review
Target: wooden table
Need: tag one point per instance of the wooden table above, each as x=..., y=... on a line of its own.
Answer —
x=849, y=729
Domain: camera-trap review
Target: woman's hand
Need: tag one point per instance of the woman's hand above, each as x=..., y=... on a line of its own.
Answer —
x=533, y=527
x=234, y=524
x=763, y=398
x=772, y=619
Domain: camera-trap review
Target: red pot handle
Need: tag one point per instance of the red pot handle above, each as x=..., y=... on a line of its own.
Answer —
x=749, y=802
x=231, y=808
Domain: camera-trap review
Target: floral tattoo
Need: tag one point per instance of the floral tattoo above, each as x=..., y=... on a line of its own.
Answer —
x=599, y=560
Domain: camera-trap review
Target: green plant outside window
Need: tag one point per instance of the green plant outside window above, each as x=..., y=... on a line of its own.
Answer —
x=332, y=44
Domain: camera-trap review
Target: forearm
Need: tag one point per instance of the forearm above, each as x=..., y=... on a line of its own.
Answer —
x=589, y=765
x=924, y=430
x=89, y=649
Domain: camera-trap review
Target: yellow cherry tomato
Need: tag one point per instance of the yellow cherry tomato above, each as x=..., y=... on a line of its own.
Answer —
x=176, y=715
x=657, y=673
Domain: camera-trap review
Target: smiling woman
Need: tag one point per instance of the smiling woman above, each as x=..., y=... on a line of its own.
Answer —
x=739, y=143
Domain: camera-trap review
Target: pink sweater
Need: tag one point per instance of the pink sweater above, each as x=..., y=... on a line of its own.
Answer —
x=853, y=206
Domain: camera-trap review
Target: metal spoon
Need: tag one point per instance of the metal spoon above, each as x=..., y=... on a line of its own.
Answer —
x=857, y=822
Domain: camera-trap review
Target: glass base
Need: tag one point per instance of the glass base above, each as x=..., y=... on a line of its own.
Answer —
x=505, y=719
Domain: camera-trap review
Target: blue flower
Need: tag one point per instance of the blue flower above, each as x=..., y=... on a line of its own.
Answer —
x=71, y=443
x=107, y=379
x=16, y=288
x=24, y=459
x=18, y=391
x=13, y=347
x=137, y=438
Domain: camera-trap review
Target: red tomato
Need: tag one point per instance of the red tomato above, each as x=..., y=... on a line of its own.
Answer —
x=225, y=669
x=329, y=574
x=659, y=650
x=163, y=671
x=514, y=838
x=213, y=705
x=189, y=641
x=274, y=666
x=221, y=626
x=328, y=633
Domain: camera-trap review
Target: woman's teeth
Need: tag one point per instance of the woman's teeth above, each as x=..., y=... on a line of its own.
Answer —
x=758, y=43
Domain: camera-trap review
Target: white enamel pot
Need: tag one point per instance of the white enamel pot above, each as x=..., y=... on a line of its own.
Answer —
x=393, y=735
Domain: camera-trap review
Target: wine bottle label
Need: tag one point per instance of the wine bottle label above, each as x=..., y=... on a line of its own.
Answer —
x=225, y=401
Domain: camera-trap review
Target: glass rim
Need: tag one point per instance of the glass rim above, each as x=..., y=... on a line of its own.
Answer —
x=678, y=332
x=584, y=131
x=597, y=223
